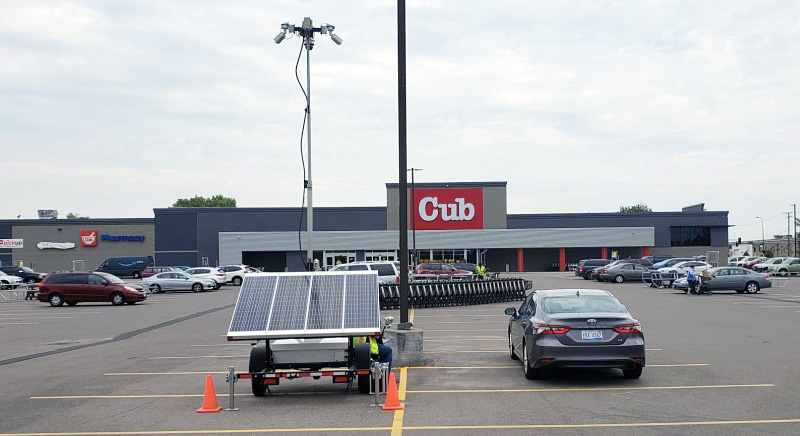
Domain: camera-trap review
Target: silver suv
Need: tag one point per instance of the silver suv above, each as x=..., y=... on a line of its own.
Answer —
x=388, y=271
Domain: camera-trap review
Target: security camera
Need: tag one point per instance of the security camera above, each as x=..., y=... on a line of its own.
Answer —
x=335, y=38
x=280, y=38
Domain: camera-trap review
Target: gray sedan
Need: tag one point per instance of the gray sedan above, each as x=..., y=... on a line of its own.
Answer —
x=623, y=271
x=730, y=278
x=177, y=280
x=575, y=328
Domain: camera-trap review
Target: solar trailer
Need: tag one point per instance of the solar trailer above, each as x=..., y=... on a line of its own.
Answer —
x=303, y=325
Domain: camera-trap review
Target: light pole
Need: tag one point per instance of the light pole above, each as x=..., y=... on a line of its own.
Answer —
x=307, y=31
x=414, y=216
x=763, y=244
x=405, y=323
x=794, y=215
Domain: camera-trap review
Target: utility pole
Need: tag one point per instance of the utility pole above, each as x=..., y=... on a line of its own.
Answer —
x=788, y=233
x=414, y=217
x=763, y=242
x=307, y=31
x=794, y=209
x=405, y=324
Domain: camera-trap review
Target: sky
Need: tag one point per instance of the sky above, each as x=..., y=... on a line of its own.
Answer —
x=113, y=108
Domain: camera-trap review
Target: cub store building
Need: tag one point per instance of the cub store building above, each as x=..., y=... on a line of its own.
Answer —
x=451, y=221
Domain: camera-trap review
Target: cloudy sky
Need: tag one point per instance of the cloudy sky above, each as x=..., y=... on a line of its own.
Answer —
x=112, y=108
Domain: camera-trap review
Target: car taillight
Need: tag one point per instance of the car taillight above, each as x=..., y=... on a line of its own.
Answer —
x=41, y=285
x=547, y=329
x=580, y=268
x=605, y=271
x=628, y=328
x=397, y=279
x=220, y=274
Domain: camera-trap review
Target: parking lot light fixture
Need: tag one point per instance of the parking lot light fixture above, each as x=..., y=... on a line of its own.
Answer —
x=307, y=31
x=763, y=243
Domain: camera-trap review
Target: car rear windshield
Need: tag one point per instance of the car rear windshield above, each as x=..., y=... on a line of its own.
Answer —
x=582, y=304
x=384, y=269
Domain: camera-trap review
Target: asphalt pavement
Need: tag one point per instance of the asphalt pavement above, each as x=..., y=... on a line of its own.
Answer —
x=717, y=364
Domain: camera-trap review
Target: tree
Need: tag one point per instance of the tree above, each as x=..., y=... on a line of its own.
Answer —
x=641, y=207
x=197, y=201
x=74, y=216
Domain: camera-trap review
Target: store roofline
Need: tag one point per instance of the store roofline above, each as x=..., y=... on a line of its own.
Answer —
x=77, y=221
x=451, y=185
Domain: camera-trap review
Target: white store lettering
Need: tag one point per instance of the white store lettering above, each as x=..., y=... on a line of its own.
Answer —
x=458, y=211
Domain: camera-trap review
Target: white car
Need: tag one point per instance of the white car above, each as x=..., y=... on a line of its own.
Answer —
x=9, y=282
x=764, y=266
x=387, y=270
x=681, y=268
x=743, y=261
x=177, y=281
x=732, y=260
x=234, y=273
x=212, y=273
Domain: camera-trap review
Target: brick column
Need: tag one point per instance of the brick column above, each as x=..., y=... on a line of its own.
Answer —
x=520, y=259
x=562, y=259
x=604, y=253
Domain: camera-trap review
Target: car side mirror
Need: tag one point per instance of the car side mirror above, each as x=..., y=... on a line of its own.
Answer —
x=510, y=311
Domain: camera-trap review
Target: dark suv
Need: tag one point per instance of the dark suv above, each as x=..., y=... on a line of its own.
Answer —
x=586, y=266
x=26, y=274
x=75, y=287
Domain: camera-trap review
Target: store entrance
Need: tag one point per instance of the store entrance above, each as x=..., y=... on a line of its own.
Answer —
x=331, y=259
x=452, y=256
x=374, y=256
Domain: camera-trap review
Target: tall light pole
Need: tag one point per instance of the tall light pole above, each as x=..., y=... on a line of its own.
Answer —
x=763, y=243
x=414, y=216
x=404, y=324
x=794, y=215
x=307, y=31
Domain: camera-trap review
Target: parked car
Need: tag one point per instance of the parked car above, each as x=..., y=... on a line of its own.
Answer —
x=764, y=266
x=744, y=260
x=153, y=270
x=789, y=266
x=733, y=259
x=464, y=266
x=234, y=273
x=730, y=278
x=669, y=262
x=181, y=267
x=128, y=266
x=76, y=287
x=682, y=267
x=388, y=271
x=206, y=272
x=575, y=328
x=177, y=281
x=435, y=269
x=657, y=258
x=622, y=272
x=752, y=263
x=9, y=281
x=26, y=274
x=586, y=266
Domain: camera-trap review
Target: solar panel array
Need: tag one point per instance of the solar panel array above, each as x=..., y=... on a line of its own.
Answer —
x=294, y=305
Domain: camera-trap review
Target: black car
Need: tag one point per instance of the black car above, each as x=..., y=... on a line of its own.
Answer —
x=471, y=267
x=26, y=274
x=586, y=266
x=575, y=328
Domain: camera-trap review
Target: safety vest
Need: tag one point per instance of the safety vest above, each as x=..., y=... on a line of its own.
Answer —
x=481, y=270
x=373, y=344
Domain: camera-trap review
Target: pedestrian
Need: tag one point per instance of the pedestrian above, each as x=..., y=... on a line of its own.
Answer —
x=481, y=270
x=691, y=279
x=30, y=293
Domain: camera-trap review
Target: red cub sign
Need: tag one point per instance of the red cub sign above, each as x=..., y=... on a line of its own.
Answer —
x=448, y=208
x=88, y=238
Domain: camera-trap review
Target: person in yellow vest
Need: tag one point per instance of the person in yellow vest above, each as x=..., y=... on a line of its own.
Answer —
x=377, y=348
x=481, y=269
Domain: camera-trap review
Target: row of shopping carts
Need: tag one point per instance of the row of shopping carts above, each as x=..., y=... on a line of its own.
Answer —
x=455, y=293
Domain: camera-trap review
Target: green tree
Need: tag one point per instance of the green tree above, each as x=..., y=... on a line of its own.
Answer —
x=74, y=216
x=198, y=201
x=641, y=207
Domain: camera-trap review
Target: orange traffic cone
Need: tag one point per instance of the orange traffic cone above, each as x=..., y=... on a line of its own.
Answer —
x=392, y=400
x=209, y=398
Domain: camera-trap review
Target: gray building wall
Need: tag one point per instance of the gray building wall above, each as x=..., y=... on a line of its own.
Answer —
x=49, y=260
x=185, y=235
x=494, y=202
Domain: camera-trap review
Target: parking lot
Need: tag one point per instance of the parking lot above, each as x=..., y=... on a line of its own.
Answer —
x=716, y=364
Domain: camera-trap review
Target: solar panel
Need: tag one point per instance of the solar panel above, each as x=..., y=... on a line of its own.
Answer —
x=296, y=305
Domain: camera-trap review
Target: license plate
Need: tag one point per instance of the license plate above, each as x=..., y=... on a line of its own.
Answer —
x=592, y=335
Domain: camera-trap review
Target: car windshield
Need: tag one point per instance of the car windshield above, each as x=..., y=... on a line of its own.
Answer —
x=111, y=278
x=447, y=267
x=775, y=260
x=26, y=269
x=3, y=274
x=582, y=304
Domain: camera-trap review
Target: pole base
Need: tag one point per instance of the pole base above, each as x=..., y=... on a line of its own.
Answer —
x=404, y=326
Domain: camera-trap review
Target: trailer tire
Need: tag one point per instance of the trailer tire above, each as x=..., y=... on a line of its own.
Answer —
x=363, y=360
x=258, y=363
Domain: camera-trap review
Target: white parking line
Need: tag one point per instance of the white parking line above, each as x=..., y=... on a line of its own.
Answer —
x=19, y=323
x=197, y=357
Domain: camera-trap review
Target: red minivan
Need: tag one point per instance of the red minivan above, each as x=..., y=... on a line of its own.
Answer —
x=75, y=287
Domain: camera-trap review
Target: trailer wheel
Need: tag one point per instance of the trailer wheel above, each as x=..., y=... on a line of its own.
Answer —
x=363, y=360
x=258, y=363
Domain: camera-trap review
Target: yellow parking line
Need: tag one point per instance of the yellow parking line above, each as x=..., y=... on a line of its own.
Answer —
x=632, y=388
x=397, y=420
x=411, y=316
x=608, y=425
